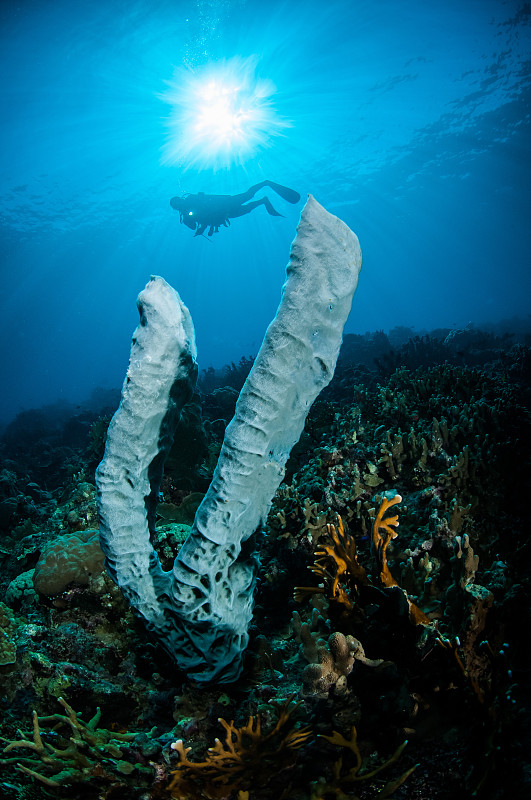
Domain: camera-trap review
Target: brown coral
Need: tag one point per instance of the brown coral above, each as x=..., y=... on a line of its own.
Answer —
x=381, y=542
x=246, y=758
x=337, y=562
x=341, y=777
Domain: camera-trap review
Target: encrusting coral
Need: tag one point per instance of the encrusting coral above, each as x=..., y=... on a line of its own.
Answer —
x=75, y=558
x=8, y=648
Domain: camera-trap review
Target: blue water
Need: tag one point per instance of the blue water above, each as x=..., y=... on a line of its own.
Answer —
x=410, y=120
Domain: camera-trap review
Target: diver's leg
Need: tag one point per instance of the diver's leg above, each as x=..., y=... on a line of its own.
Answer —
x=269, y=207
x=264, y=201
x=244, y=196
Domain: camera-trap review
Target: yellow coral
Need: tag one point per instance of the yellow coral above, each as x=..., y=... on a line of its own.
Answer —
x=381, y=542
x=339, y=560
x=334, y=561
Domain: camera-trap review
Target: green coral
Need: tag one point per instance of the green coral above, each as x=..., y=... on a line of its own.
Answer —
x=85, y=750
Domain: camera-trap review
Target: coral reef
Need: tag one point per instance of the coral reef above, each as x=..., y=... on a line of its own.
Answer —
x=330, y=662
x=365, y=675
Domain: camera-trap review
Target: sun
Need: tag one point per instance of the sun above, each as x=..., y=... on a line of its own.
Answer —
x=223, y=116
x=220, y=115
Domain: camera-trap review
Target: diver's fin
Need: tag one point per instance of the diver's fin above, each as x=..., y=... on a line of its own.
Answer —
x=289, y=195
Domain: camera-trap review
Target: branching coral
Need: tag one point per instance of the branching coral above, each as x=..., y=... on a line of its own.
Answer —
x=338, y=787
x=470, y=604
x=336, y=563
x=341, y=573
x=464, y=562
x=87, y=751
x=381, y=542
x=245, y=759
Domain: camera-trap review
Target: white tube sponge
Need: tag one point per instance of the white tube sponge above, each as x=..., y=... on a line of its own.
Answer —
x=203, y=617
x=160, y=380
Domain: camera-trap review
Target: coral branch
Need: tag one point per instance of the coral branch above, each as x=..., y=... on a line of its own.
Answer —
x=381, y=542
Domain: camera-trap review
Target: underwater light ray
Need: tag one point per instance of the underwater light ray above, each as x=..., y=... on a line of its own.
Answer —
x=221, y=115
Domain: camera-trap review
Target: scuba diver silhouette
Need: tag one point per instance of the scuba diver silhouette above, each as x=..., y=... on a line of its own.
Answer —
x=201, y=211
